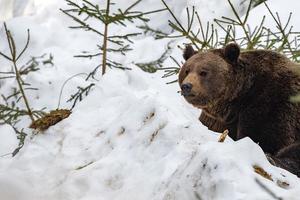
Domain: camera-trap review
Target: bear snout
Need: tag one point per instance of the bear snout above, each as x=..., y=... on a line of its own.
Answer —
x=186, y=89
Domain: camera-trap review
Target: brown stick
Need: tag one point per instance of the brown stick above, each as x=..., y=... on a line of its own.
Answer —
x=105, y=39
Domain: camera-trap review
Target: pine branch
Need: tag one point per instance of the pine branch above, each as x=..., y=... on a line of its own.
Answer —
x=158, y=34
x=91, y=11
x=157, y=64
x=284, y=39
x=78, y=96
x=14, y=57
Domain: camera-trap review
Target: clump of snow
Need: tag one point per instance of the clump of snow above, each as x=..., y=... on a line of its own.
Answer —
x=133, y=137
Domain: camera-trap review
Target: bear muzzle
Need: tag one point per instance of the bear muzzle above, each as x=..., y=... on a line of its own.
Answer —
x=186, y=89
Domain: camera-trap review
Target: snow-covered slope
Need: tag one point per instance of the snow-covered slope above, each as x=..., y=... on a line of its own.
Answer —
x=133, y=137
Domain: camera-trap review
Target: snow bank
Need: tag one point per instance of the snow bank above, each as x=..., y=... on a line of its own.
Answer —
x=133, y=137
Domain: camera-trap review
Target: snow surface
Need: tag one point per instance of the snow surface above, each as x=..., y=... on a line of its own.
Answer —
x=133, y=137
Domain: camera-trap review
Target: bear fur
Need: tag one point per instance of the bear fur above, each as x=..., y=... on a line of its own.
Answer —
x=249, y=93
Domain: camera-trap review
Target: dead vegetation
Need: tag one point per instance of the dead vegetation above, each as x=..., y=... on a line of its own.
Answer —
x=155, y=133
x=50, y=119
x=223, y=136
x=259, y=170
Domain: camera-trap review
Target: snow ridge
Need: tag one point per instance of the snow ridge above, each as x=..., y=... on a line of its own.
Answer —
x=133, y=137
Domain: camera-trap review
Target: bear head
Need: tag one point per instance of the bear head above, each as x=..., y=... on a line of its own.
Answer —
x=206, y=77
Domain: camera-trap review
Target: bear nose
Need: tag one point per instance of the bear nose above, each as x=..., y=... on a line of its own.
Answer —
x=186, y=88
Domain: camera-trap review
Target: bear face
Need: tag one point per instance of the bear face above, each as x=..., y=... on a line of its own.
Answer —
x=204, y=77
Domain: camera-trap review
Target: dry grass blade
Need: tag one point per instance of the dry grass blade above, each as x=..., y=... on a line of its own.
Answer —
x=262, y=172
x=223, y=136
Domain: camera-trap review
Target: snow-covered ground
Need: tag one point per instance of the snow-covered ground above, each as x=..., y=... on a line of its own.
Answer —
x=133, y=137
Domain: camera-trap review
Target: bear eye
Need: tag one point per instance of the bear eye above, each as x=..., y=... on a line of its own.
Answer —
x=187, y=71
x=203, y=73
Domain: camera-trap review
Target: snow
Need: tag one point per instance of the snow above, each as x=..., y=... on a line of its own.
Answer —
x=133, y=137
x=283, y=11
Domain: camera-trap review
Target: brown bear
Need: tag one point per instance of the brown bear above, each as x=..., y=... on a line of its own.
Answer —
x=249, y=93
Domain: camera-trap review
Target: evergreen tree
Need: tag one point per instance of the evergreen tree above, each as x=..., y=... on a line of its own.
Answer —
x=84, y=13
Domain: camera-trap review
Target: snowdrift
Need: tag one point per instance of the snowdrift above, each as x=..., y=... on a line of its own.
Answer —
x=133, y=137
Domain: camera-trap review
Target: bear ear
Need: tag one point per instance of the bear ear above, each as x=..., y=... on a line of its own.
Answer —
x=188, y=52
x=232, y=52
